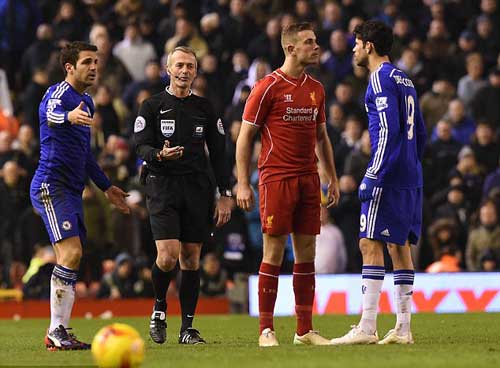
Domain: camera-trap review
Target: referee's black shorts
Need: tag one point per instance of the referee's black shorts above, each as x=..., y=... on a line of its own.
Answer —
x=180, y=207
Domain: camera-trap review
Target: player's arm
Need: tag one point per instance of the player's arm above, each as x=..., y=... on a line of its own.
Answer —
x=257, y=107
x=324, y=151
x=114, y=194
x=386, y=126
x=216, y=144
x=244, y=144
x=325, y=155
x=144, y=133
x=57, y=114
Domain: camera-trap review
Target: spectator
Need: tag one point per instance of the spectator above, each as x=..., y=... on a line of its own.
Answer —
x=37, y=55
x=472, y=82
x=268, y=44
x=39, y=271
x=485, y=236
x=344, y=96
x=485, y=104
x=434, y=103
x=118, y=283
x=212, y=32
x=442, y=234
x=357, y=160
x=492, y=182
x=455, y=208
x=489, y=261
x=337, y=60
x=213, y=277
x=415, y=69
x=346, y=216
x=349, y=140
x=134, y=52
x=448, y=262
x=67, y=25
x=485, y=148
x=331, y=255
x=186, y=35
x=463, y=127
x=440, y=157
x=402, y=37
x=31, y=98
x=110, y=69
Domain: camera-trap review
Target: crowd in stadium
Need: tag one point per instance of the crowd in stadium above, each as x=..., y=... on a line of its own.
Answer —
x=450, y=49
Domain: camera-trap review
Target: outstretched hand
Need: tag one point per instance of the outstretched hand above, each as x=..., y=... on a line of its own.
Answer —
x=79, y=116
x=117, y=197
x=171, y=153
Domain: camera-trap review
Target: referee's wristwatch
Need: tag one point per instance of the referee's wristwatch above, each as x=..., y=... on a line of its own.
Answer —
x=226, y=193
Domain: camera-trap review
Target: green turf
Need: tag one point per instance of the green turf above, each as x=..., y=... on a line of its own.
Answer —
x=452, y=340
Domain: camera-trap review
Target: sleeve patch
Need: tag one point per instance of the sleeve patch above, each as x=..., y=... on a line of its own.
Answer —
x=220, y=127
x=381, y=103
x=139, y=124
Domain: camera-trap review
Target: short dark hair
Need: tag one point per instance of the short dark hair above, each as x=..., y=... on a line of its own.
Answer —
x=290, y=32
x=376, y=32
x=70, y=52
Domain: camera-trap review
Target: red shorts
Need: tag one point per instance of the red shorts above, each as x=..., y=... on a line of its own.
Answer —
x=291, y=205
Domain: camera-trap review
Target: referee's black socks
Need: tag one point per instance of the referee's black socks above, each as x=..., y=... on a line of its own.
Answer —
x=161, y=281
x=188, y=295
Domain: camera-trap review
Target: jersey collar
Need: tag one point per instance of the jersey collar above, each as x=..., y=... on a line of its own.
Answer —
x=167, y=89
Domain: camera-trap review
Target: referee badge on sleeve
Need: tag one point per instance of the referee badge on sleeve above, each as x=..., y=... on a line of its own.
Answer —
x=220, y=127
x=139, y=124
x=167, y=127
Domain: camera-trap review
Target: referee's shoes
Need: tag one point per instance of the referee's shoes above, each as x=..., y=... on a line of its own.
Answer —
x=191, y=336
x=158, y=327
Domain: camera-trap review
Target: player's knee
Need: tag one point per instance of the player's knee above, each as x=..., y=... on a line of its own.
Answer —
x=71, y=257
x=166, y=261
x=190, y=263
x=369, y=249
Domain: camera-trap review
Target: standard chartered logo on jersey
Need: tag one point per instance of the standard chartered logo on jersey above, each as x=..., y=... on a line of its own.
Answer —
x=300, y=114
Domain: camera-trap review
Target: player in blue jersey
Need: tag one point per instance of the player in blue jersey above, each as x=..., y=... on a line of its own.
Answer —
x=56, y=189
x=391, y=190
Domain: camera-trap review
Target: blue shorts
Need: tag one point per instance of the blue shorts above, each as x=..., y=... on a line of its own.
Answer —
x=60, y=209
x=392, y=216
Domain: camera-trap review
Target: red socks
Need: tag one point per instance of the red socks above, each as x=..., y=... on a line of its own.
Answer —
x=268, y=290
x=303, y=287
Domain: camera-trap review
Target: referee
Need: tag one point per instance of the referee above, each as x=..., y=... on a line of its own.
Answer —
x=170, y=134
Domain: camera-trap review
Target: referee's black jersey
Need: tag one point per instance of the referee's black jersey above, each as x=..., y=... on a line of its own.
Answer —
x=187, y=122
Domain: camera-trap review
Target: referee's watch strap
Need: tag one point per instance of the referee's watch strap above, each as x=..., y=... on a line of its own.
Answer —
x=226, y=193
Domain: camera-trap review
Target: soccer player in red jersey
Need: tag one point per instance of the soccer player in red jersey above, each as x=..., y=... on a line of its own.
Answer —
x=288, y=106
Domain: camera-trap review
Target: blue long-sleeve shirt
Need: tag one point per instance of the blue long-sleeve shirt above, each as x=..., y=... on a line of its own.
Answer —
x=66, y=158
x=397, y=130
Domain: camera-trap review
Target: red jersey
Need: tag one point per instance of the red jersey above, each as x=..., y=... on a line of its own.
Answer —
x=288, y=111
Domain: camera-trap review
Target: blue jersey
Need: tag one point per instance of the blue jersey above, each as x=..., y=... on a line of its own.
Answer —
x=66, y=159
x=397, y=130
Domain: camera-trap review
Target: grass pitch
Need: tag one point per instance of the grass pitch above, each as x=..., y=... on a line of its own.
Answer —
x=451, y=340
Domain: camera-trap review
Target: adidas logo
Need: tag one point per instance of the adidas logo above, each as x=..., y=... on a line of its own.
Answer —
x=385, y=233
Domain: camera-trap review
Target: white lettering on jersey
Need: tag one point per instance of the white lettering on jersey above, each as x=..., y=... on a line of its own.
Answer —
x=220, y=127
x=404, y=81
x=381, y=103
x=139, y=124
x=300, y=114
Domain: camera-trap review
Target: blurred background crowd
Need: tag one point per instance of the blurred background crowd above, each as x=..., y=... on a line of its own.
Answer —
x=449, y=48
